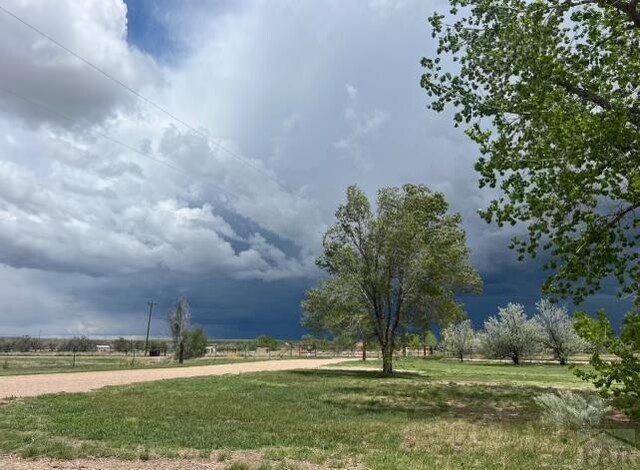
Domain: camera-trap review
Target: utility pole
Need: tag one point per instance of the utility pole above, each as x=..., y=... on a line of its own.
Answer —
x=146, y=341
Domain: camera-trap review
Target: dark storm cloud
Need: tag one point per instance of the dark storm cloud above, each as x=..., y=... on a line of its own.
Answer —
x=293, y=100
x=42, y=72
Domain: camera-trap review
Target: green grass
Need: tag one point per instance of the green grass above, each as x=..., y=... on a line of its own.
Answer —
x=477, y=372
x=14, y=364
x=445, y=416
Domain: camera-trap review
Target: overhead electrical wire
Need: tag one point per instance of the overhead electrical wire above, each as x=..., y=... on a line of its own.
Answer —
x=113, y=140
x=143, y=98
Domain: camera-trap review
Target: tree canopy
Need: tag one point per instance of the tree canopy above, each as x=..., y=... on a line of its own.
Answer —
x=549, y=90
x=264, y=341
x=334, y=310
x=620, y=377
x=406, y=253
x=196, y=344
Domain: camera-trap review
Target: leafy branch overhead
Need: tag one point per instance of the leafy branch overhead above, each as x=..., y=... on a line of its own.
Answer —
x=620, y=377
x=550, y=92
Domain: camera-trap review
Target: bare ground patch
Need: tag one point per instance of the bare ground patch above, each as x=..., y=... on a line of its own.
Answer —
x=217, y=460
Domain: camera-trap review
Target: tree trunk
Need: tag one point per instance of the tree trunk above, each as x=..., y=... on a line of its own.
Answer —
x=516, y=359
x=424, y=344
x=563, y=360
x=461, y=357
x=364, y=351
x=387, y=360
x=181, y=353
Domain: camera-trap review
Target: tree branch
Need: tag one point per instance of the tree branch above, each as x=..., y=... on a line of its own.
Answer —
x=629, y=8
x=621, y=214
x=598, y=100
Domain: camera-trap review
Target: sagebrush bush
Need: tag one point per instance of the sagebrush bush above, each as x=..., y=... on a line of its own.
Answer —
x=572, y=410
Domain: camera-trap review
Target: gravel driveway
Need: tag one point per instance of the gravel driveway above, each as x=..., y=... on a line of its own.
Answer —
x=34, y=385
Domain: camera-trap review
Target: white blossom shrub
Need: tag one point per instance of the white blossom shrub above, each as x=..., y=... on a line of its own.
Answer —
x=511, y=334
x=458, y=339
x=556, y=330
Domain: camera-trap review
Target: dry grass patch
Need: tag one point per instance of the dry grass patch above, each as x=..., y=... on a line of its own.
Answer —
x=457, y=442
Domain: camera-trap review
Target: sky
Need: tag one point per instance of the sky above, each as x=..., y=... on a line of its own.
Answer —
x=220, y=182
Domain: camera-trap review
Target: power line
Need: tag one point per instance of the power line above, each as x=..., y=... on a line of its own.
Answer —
x=114, y=140
x=142, y=97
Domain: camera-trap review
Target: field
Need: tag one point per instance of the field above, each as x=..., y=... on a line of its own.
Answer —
x=434, y=414
x=19, y=364
x=438, y=371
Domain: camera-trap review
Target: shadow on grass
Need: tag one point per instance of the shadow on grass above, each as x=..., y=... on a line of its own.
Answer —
x=356, y=374
x=415, y=396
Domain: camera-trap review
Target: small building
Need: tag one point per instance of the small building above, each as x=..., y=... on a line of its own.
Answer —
x=103, y=348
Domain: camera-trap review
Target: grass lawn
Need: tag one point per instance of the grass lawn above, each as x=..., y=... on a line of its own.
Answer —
x=543, y=375
x=14, y=364
x=447, y=415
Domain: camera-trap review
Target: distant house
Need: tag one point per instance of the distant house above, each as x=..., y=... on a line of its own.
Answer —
x=210, y=350
x=103, y=348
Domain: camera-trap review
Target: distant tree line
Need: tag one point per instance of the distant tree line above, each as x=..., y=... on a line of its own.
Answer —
x=82, y=344
x=28, y=343
x=513, y=335
x=196, y=344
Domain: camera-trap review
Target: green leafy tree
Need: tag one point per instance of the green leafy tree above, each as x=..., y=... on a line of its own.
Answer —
x=394, y=259
x=267, y=342
x=339, y=343
x=196, y=345
x=620, y=377
x=78, y=344
x=334, y=309
x=441, y=311
x=549, y=92
x=179, y=322
x=429, y=341
x=415, y=342
x=595, y=332
x=631, y=329
x=27, y=344
x=122, y=345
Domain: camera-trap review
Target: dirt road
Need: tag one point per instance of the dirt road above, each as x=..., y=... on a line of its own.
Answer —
x=34, y=385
